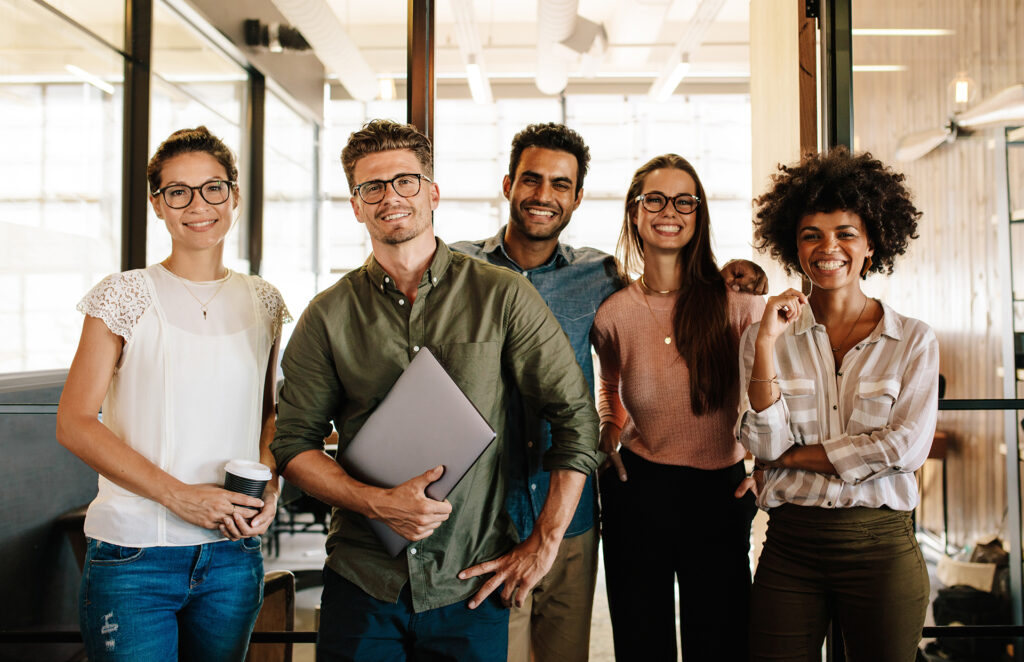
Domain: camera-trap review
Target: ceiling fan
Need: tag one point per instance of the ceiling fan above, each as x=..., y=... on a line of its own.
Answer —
x=1005, y=107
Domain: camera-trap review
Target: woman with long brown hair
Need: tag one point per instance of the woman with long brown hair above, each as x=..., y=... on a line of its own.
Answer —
x=669, y=391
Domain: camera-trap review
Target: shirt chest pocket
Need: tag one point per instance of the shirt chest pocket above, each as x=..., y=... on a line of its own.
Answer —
x=800, y=396
x=873, y=403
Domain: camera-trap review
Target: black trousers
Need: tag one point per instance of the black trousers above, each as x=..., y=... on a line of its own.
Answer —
x=667, y=524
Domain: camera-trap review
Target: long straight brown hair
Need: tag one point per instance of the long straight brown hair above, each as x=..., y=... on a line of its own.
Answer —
x=704, y=337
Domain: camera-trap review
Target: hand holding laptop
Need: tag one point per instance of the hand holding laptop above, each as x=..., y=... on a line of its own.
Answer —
x=407, y=509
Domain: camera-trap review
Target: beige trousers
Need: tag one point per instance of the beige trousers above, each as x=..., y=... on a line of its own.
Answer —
x=554, y=622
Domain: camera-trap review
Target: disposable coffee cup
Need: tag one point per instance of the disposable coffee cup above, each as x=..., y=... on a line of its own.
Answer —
x=246, y=477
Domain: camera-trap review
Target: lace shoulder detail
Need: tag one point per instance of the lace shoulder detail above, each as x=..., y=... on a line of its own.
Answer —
x=119, y=300
x=273, y=303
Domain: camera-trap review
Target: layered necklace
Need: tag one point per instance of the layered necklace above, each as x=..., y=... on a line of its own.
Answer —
x=644, y=289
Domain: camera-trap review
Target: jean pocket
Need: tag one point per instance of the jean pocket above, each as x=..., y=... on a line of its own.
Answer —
x=106, y=553
x=252, y=545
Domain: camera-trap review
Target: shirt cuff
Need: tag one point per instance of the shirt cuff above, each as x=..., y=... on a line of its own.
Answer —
x=765, y=433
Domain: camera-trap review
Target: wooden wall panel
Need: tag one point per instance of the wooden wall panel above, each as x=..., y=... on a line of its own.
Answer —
x=951, y=277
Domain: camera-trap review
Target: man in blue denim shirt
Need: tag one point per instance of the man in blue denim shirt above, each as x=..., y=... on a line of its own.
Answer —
x=544, y=187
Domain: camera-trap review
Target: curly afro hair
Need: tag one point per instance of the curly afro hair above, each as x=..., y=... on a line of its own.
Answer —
x=837, y=181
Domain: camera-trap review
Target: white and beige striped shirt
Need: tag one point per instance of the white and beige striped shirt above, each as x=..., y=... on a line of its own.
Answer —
x=875, y=416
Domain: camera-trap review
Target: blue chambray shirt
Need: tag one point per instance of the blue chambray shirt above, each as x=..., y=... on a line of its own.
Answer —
x=574, y=283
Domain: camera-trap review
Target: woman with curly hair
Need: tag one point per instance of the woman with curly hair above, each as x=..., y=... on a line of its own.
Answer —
x=842, y=398
x=669, y=389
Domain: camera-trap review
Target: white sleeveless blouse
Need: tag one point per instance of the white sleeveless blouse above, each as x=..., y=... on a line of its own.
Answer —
x=187, y=391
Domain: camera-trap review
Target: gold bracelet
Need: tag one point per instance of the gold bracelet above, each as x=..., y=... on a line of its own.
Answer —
x=773, y=380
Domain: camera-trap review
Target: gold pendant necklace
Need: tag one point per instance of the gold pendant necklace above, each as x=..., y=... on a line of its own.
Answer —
x=836, y=348
x=202, y=304
x=668, y=338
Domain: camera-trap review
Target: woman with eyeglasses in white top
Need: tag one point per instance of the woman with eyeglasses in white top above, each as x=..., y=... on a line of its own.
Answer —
x=842, y=399
x=181, y=356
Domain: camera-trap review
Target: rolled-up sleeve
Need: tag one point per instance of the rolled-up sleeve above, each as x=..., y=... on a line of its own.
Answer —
x=902, y=445
x=766, y=434
x=541, y=360
x=311, y=392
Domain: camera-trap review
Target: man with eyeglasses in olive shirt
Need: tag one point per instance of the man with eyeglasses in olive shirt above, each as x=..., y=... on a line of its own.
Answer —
x=495, y=335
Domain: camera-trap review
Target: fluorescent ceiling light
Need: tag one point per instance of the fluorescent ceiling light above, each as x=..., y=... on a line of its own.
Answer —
x=663, y=88
x=479, y=88
x=900, y=32
x=878, y=68
x=95, y=81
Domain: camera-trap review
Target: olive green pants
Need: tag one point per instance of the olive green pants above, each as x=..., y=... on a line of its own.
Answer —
x=860, y=567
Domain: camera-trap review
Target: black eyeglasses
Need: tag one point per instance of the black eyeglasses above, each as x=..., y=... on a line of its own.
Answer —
x=684, y=203
x=179, y=196
x=406, y=185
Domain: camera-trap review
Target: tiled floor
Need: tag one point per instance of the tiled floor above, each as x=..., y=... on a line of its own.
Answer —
x=305, y=552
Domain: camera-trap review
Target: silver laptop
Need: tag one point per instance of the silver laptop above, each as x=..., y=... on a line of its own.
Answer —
x=424, y=420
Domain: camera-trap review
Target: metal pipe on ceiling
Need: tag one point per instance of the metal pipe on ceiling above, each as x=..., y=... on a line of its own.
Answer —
x=324, y=31
x=555, y=22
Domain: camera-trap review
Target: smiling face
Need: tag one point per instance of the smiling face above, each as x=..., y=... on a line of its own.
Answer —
x=543, y=195
x=666, y=230
x=832, y=247
x=394, y=220
x=200, y=225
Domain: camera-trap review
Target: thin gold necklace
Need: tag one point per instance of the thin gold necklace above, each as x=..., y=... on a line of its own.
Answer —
x=836, y=348
x=202, y=304
x=648, y=287
x=668, y=338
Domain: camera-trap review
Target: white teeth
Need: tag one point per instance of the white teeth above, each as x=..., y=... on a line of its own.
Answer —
x=391, y=217
x=668, y=228
x=201, y=224
x=540, y=212
x=828, y=265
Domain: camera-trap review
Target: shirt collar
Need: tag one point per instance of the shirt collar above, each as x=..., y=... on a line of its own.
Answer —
x=435, y=272
x=562, y=256
x=891, y=325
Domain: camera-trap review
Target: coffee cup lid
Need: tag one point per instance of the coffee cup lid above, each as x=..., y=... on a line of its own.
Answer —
x=248, y=469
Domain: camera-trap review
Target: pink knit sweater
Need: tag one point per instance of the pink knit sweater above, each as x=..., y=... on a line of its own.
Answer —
x=645, y=384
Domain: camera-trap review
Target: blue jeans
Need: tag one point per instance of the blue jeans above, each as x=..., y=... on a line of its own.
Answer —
x=167, y=603
x=356, y=627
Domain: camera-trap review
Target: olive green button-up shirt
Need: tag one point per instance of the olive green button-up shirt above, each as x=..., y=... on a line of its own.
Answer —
x=492, y=332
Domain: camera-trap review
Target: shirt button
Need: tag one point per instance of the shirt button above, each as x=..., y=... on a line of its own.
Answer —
x=412, y=550
x=386, y=279
x=829, y=503
x=533, y=486
x=529, y=444
x=401, y=302
x=435, y=281
x=840, y=373
x=415, y=348
x=835, y=406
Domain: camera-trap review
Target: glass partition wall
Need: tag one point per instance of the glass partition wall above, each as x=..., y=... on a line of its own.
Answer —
x=60, y=176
